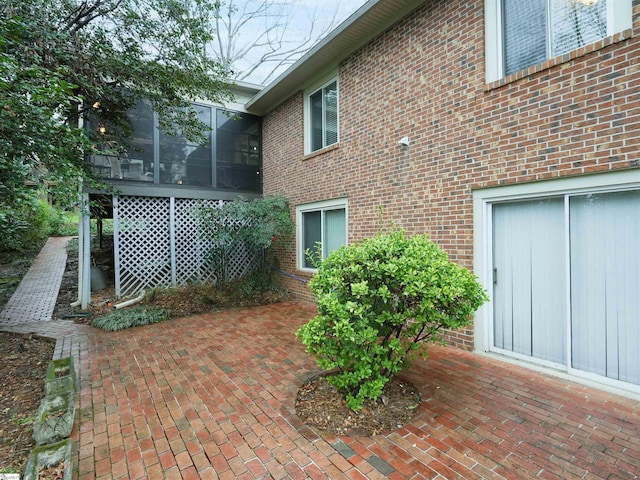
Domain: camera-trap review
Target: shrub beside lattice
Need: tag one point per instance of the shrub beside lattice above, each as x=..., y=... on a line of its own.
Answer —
x=379, y=303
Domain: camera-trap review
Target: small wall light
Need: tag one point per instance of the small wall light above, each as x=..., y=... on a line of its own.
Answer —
x=102, y=130
x=404, y=142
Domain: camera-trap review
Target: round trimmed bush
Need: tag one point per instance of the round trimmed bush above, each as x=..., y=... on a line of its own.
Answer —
x=379, y=302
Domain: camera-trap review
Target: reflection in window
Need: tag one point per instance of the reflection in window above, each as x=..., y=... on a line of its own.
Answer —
x=535, y=31
x=323, y=107
x=139, y=164
x=183, y=162
x=238, y=151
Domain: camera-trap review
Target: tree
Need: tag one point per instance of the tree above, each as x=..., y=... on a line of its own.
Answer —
x=257, y=38
x=65, y=60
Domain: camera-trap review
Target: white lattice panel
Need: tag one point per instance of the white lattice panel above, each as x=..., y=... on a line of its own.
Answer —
x=144, y=250
x=160, y=243
x=193, y=263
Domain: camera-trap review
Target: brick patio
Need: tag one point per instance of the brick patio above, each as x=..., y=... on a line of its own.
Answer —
x=212, y=396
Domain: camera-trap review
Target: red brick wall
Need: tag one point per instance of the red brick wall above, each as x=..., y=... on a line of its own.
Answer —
x=424, y=78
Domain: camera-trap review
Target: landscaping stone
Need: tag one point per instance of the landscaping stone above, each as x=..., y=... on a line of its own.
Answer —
x=55, y=457
x=54, y=419
x=60, y=377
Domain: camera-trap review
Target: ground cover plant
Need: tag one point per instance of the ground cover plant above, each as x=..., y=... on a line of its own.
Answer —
x=380, y=302
x=136, y=316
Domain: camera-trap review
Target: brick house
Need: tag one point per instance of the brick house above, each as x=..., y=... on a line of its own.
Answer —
x=506, y=130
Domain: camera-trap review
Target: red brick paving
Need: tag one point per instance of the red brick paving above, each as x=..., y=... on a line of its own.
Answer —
x=212, y=396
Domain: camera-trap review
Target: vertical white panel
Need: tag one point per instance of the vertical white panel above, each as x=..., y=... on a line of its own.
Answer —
x=335, y=230
x=529, y=289
x=116, y=245
x=604, y=284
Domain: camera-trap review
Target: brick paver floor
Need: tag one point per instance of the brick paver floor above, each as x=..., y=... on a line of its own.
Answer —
x=212, y=396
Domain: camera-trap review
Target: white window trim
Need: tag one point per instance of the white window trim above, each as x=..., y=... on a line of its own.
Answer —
x=326, y=80
x=314, y=207
x=619, y=18
x=482, y=255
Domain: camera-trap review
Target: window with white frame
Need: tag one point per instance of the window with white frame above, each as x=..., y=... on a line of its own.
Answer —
x=322, y=228
x=322, y=116
x=523, y=33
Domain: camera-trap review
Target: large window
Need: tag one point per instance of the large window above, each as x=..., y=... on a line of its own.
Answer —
x=524, y=33
x=322, y=116
x=322, y=228
x=238, y=147
x=229, y=157
x=183, y=162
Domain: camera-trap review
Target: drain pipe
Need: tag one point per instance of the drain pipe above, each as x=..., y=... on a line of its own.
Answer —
x=130, y=302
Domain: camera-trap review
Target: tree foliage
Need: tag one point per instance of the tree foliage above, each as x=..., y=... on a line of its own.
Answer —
x=62, y=60
x=379, y=302
x=255, y=225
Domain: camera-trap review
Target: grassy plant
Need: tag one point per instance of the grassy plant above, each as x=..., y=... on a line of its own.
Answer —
x=130, y=317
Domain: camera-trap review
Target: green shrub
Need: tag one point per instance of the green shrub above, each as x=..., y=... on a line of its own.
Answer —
x=257, y=226
x=130, y=317
x=379, y=302
x=25, y=223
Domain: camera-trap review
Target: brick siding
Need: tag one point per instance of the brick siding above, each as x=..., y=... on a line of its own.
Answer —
x=425, y=78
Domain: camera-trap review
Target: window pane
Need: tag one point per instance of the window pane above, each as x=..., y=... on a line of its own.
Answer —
x=140, y=152
x=311, y=234
x=605, y=305
x=315, y=102
x=331, y=113
x=576, y=24
x=238, y=151
x=335, y=230
x=525, y=32
x=183, y=162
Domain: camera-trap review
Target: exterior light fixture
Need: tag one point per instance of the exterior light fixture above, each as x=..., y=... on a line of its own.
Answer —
x=102, y=130
x=404, y=142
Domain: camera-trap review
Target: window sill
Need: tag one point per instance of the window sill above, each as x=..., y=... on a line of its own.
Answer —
x=567, y=57
x=322, y=151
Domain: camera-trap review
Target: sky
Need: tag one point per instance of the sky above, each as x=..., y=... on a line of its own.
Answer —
x=306, y=16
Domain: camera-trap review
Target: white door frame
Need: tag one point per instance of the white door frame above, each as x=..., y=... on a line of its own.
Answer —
x=482, y=250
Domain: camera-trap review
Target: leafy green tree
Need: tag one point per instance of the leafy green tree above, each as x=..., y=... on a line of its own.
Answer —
x=379, y=303
x=62, y=61
x=255, y=225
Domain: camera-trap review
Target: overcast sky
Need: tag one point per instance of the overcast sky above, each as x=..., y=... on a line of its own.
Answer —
x=308, y=14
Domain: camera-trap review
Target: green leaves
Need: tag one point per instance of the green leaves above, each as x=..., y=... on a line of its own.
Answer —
x=256, y=225
x=59, y=58
x=379, y=302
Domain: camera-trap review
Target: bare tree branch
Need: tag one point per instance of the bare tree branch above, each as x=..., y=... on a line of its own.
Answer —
x=254, y=34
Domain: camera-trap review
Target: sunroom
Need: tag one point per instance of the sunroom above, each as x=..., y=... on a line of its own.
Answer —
x=160, y=181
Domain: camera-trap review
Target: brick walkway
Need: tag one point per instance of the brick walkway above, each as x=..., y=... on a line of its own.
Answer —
x=212, y=396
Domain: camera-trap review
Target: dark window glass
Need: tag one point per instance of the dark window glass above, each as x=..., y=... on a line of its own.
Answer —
x=312, y=234
x=238, y=151
x=183, y=162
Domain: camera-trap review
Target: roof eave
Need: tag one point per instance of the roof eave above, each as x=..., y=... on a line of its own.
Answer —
x=370, y=20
